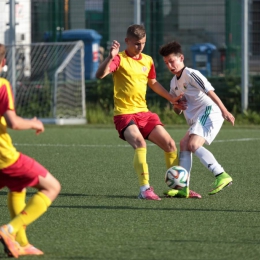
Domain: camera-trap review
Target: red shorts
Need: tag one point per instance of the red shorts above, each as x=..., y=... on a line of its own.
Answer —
x=145, y=121
x=23, y=173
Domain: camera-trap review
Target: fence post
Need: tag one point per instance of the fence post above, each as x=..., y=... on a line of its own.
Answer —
x=244, y=71
x=137, y=11
x=12, y=42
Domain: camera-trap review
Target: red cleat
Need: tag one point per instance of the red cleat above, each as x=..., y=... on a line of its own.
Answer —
x=194, y=195
x=148, y=195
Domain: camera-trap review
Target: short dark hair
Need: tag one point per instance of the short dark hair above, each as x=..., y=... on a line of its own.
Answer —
x=170, y=48
x=136, y=31
x=2, y=52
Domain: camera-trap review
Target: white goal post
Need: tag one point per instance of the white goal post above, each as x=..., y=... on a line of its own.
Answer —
x=50, y=81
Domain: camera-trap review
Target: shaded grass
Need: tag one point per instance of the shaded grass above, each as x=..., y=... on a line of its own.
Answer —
x=97, y=215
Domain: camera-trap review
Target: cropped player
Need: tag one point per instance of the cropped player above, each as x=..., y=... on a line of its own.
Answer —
x=18, y=171
x=205, y=114
x=132, y=71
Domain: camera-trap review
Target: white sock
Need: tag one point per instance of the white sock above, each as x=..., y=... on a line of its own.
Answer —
x=186, y=162
x=144, y=187
x=208, y=160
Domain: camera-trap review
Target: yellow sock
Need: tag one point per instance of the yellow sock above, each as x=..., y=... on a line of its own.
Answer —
x=171, y=159
x=16, y=203
x=141, y=166
x=35, y=207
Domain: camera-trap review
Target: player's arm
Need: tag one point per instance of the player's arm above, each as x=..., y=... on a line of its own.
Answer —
x=16, y=122
x=160, y=90
x=226, y=115
x=104, y=68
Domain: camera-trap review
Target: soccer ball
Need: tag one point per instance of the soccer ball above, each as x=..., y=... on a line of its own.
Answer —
x=176, y=177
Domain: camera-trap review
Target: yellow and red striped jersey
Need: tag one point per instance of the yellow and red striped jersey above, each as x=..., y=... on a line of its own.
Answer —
x=130, y=82
x=8, y=153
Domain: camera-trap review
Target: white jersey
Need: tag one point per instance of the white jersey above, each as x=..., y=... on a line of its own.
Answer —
x=195, y=88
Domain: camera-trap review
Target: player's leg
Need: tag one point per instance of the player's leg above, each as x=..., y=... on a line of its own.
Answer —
x=30, y=174
x=8, y=240
x=16, y=203
x=209, y=161
x=185, y=160
x=162, y=138
x=206, y=133
x=11, y=247
x=133, y=136
x=48, y=189
x=205, y=156
x=156, y=133
x=185, y=154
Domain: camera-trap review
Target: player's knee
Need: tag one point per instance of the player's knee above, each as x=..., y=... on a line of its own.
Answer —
x=184, y=145
x=50, y=185
x=192, y=147
x=139, y=143
x=171, y=146
x=56, y=188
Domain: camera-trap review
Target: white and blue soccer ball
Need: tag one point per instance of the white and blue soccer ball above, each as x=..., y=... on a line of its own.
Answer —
x=176, y=177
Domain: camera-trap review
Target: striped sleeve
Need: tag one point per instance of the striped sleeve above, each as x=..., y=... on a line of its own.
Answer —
x=152, y=73
x=200, y=82
x=6, y=96
x=115, y=63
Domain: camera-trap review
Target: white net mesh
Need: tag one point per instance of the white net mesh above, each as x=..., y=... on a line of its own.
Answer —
x=49, y=81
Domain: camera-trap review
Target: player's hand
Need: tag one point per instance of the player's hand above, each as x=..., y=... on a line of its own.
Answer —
x=114, y=49
x=229, y=117
x=180, y=102
x=37, y=125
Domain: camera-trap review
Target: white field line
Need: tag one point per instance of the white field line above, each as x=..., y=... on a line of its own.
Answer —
x=125, y=145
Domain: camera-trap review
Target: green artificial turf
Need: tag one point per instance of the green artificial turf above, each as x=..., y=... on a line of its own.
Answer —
x=97, y=215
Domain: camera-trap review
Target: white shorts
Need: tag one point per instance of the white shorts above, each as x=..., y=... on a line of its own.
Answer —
x=207, y=125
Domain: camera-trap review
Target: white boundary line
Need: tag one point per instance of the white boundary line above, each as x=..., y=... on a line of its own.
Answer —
x=124, y=145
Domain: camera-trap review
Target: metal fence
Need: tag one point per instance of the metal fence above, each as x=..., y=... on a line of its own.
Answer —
x=189, y=22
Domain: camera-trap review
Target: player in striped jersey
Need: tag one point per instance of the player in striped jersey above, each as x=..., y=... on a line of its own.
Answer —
x=132, y=71
x=18, y=171
x=205, y=114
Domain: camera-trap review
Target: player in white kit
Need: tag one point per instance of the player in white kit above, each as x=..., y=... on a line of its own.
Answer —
x=204, y=113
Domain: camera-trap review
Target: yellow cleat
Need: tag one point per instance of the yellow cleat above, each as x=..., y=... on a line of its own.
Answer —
x=222, y=181
x=183, y=193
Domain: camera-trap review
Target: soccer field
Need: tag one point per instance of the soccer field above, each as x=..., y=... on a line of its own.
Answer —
x=97, y=215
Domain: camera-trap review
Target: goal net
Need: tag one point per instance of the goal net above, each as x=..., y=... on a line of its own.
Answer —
x=49, y=81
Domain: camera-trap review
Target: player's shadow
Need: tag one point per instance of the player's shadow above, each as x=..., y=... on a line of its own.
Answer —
x=89, y=195
x=172, y=208
x=30, y=193
x=4, y=256
x=96, y=195
x=248, y=242
x=155, y=209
